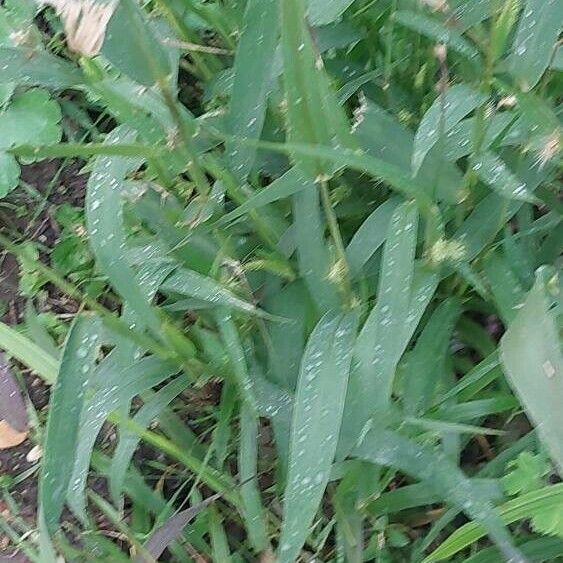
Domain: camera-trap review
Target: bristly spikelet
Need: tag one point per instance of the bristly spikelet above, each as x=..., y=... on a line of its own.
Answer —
x=85, y=22
x=360, y=111
x=447, y=251
x=549, y=148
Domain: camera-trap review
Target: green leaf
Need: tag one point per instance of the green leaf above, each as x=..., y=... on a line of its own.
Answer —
x=434, y=468
x=32, y=118
x=538, y=550
x=323, y=12
x=142, y=57
x=193, y=284
x=385, y=138
x=104, y=219
x=128, y=440
x=253, y=81
x=532, y=360
x=371, y=235
x=496, y=174
x=319, y=402
x=433, y=29
x=522, y=507
x=314, y=115
x=527, y=475
x=28, y=353
x=9, y=173
x=65, y=407
x=446, y=112
x=535, y=41
x=426, y=364
x=37, y=68
x=386, y=332
x=248, y=469
x=507, y=291
x=117, y=386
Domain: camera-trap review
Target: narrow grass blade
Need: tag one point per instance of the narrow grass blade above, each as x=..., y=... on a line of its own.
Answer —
x=292, y=182
x=317, y=415
x=253, y=510
x=492, y=170
x=65, y=408
x=539, y=550
x=28, y=353
x=507, y=291
x=442, y=116
x=12, y=407
x=372, y=359
x=312, y=250
x=437, y=31
x=128, y=441
x=172, y=530
x=253, y=80
x=523, y=507
x=370, y=236
x=288, y=339
x=37, y=68
x=535, y=40
x=532, y=360
x=104, y=217
x=235, y=352
x=426, y=364
x=118, y=388
x=380, y=343
x=193, y=284
x=384, y=447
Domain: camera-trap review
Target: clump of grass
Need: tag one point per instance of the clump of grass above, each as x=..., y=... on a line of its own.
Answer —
x=355, y=244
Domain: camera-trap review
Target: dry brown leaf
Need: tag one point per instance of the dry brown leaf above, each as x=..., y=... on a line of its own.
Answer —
x=85, y=23
x=9, y=437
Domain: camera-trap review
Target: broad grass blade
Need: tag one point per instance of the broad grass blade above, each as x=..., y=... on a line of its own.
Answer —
x=65, y=408
x=492, y=170
x=370, y=236
x=535, y=40
x=253, y=81
x=531, y=357
x=118, y=387
x=317, y=415
x=383, y=137
x=442, y=116
x=104, y=218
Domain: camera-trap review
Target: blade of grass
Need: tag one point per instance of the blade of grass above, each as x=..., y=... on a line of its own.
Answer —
x=533, y=363
x=535, y=40
x=253, y=511
x=27, y=352
x=65, y=408
x=523, y=507
x=384, y=447
x=253, y=81
x=319, y=403
x=128, y=441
